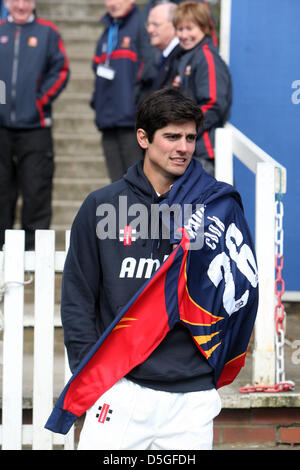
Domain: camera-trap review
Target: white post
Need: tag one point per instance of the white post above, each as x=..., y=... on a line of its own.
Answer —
x=225, y=23
x=13, y=340
x=43, y=337
x=264, y=341
x=223, y=155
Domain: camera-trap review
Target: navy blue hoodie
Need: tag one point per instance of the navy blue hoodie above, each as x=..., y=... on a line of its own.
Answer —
x=203, y=296
x=101, y=276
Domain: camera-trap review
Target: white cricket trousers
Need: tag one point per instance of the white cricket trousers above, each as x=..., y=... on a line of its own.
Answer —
x=131, y=417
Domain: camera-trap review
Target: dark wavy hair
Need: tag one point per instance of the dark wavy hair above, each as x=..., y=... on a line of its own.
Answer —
x=165, y=106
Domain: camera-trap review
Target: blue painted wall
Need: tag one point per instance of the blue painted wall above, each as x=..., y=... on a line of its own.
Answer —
x=265, y=66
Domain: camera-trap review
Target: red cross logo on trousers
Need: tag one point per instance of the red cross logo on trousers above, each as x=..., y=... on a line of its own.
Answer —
x=127, y=235
x=103, y=412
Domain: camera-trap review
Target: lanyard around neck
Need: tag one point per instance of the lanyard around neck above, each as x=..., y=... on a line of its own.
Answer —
x=112, y=39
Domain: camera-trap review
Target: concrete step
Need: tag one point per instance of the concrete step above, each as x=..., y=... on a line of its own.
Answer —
x=82, y=65
x=73, y=167
x=85, y=144
x=79, y=123
x=73, y=36
x=72, y=8
x=80, y=46
x=87, y=26
x=65, y=209
x=82, y=82
x=73, y=103
x=64, y=213
x=72, y=189
x=81, y=68
x=75, y=8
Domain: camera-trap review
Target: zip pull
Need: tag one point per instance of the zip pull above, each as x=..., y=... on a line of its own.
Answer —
x=15, y=74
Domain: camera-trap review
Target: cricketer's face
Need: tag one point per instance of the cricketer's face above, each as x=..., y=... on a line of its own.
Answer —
x=169, y=154
x=20, y=10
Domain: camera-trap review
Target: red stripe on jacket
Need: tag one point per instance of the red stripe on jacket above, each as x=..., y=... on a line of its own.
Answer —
x=63, y=74
x=117, y=54
x=212, y=90
x=41, y=112
x=212, y=81
x=47, y=23
x=208, y=144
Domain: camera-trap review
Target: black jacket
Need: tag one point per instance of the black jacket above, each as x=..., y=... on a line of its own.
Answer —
x=102, y=275
x=34, y=68
x=163, y=73
x=201, y=74
x=113, y=100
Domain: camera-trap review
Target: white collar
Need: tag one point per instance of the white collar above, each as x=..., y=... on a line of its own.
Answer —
x=170, y=46
x=30, y=19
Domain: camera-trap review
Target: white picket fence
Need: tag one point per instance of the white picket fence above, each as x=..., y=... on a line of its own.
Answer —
x=14, y=265
x=270, y=179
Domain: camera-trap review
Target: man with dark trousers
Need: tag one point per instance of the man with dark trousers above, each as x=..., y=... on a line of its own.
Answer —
x=34, y=68
x=116, y=65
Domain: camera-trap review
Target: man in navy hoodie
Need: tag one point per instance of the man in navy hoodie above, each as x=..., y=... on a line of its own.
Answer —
x=154, y=322
x=34, y=68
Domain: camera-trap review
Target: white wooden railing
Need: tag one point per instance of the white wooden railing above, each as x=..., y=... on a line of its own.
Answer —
x=268, y=181
x=14, y=265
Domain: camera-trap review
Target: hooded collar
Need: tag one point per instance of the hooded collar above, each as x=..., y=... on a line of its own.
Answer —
x=195, y=186
x=140, y=184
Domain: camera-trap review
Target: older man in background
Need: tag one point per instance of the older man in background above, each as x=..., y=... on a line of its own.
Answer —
x=163, y=36
x=160, y=48
x=149, y=54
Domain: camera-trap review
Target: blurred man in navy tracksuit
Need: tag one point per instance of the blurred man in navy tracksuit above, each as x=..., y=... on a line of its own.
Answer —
x=115, y=65
x=36, y=70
